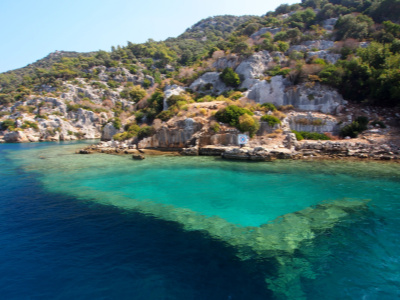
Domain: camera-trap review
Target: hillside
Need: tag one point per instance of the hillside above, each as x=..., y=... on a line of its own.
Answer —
x=322, y=69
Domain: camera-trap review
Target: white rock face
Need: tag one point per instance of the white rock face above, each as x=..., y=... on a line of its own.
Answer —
x=272, y=92
x=209, y=81
x=230, y=61
x=313, y=123
x=169, y=91
x=253, y=67
x=279, y=92
x=316, y=98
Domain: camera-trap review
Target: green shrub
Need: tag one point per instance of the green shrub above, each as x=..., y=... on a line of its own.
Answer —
x=277, y=70
x=269, y=106
x=146, y=83
x=139, y=115
x=271, y=120
x=113, y=84
x=145, y=131
x=174, y=99
x=230, y=77
x=134, y=93
x=299, y=137
x=117, y=123
x=310, y=135
x=248, y=124
x=29, y=124
x=73, y=107
x=355, y=128
x=379, y=123
x=165, y=115
x=215, y=127
x=231, y=114
x=123, y=136
x=8, y=124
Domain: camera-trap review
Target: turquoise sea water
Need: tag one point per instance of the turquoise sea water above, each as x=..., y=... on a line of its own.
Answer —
x=217, y=207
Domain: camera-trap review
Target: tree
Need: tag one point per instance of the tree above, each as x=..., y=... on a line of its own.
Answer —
x=350, y=26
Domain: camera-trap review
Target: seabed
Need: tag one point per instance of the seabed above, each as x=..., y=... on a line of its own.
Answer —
x=276, y=241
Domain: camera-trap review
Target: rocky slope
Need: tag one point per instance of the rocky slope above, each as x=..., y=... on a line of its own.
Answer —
x=167, y=95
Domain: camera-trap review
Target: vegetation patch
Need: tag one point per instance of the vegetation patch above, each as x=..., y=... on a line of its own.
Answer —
x=231, y=114
x=355, y=128
x=301, y=135
x=271, y=120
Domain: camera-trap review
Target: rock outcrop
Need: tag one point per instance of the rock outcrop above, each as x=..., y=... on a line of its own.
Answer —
x=109, y=131
x=209, y=82
x=179, y=136
x=314, y=97
x=15, y=137
x=313, y=123
x=169, y=91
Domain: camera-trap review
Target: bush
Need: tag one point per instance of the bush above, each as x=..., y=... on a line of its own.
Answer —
x=145, y=131
x=29, y=124
x=379, y=123
x=230, y=77
x=135, y=93
x=117, y=123
x=271, y=120
x=215, y=127
x=174, y=99
x=299, y=137
x=122, y=136
x=248, y=124
x=8, y=124
x=355, y=128
x=73, y=107
x=165, y=115
x=113, y=84
x=231, y=114
x=269, y=106
x=310, y=135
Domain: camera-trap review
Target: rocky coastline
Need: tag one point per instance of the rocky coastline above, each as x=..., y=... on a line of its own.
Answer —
x=297, y=150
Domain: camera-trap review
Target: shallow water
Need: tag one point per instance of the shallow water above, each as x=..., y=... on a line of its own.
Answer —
x=103, y=226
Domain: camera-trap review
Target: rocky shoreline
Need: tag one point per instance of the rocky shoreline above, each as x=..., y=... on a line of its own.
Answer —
x=295, y=150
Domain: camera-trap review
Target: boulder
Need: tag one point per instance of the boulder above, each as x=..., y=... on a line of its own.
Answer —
x=15, y=137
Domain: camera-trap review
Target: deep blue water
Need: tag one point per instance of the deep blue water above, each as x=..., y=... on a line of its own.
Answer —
x=55, y=246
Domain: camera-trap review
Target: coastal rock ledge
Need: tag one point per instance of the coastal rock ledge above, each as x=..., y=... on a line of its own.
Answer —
x=296, y=150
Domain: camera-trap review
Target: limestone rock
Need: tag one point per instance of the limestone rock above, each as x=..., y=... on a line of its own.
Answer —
x=229, y=61
x=253, y=68
x=312, y=122
x=210, y=82
x=15, y=137
x=192, y=151
x=109, y=131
